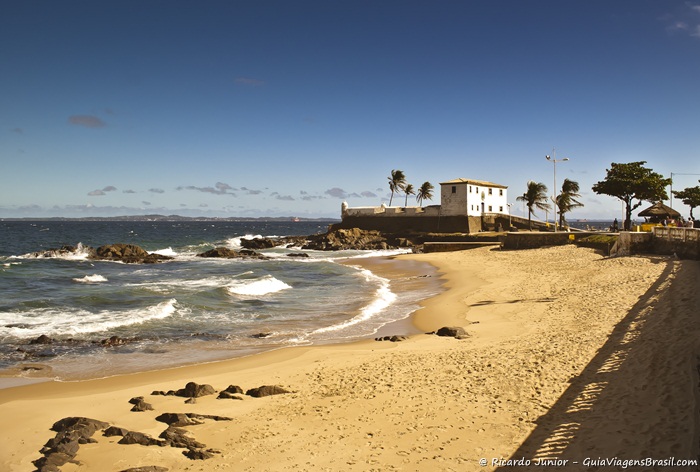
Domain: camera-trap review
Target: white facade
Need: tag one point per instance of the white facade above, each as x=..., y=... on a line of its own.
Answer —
x=472, y=197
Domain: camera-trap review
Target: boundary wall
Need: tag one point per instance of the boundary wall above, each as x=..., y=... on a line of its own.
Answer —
x=427, y=219
x=682, y=242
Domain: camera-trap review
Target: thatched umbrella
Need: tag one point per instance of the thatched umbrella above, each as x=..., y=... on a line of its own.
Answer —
x=659, y=211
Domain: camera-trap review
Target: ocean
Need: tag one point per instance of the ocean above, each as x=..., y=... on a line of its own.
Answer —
x=188, y=310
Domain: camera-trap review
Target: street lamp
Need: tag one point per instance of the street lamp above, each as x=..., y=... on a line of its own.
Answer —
x=554, y=161
x=672, y=174
x=510, y=223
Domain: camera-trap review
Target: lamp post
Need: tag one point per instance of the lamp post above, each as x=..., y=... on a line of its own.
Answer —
x=672, y=174
x=510, y=223
x=554, y=161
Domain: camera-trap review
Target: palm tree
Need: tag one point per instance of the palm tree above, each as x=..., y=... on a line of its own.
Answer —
x=425, y=192
x=408, y=190
x=536, y=196
x=567, y=199
x=397, y=181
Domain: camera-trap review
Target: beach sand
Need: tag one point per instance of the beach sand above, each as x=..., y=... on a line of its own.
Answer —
x=571, y=355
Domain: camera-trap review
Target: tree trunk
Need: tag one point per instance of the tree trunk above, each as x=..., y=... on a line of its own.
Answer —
x=628, y=216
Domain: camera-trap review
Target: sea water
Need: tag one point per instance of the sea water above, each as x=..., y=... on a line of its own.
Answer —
x=183, y=311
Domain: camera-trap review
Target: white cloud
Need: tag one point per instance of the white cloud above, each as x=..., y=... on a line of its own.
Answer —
x=336, y=192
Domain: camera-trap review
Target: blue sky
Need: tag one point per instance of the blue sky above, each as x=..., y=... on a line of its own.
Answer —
x=287, y=108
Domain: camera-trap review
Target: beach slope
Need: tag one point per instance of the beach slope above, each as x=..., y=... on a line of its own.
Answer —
x=570, y=355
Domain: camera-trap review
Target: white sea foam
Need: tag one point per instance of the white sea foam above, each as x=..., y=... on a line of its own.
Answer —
x=383, y=298
x=257, y=287
x=81, y=253
x=379, y=253
x=70, y=323
x=91, y=279
x=168, y=251
x=235, y=243
x=206, y=282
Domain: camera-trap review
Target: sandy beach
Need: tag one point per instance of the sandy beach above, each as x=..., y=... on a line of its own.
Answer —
x=570, y=356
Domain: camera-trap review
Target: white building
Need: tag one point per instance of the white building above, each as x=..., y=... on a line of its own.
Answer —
x=469, y=197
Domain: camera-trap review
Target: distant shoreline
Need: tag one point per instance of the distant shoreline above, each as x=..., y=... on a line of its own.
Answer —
x=171, y=218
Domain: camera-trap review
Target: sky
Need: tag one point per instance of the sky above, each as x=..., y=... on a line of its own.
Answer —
x=288, y=108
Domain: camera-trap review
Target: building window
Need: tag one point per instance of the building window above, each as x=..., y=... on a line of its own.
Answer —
x=454, y=189
x=490, y=191
x=470, y=189
x=500, y=192
x=500, y=209
x=477, y=190
x=490, y=208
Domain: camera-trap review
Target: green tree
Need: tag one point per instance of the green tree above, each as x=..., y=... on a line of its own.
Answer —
x=690, y=196
x=425, y=192
x=534, y=197
x=397, y=181
x=633, y=181
x=408, y=190
x=567, y=199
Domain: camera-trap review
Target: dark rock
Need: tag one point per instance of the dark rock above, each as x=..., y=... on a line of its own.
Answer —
x=115, y=431
x=260, y=335
x=353, y=238
x=452, y=332
x=229, y=396
x=148, y=468
x=393, y=339
x=258, y=243
x=252, y=254
x=209, y=417
x=141, y=405
x=43, y=339
x=231, y=392
x=266, y=390
x=134, y=437
x=177, y=419
x=128, y=253
x=86, y=426
x=233, y=389
x=219, y=252
x=177, y=437
x=297, y=254
x=63, y=251
x=113, y=341
x=200, y=454
x=227, y=253
x=71, y=432
x=52, y=462
x=193, y=390
x=188, y=419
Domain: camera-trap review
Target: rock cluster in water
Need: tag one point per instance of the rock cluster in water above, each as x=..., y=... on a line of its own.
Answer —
x=340, y=239
x=336, y=240
x=128, y=253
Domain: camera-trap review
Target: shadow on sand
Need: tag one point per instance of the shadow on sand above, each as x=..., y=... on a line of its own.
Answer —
x=636, y=399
